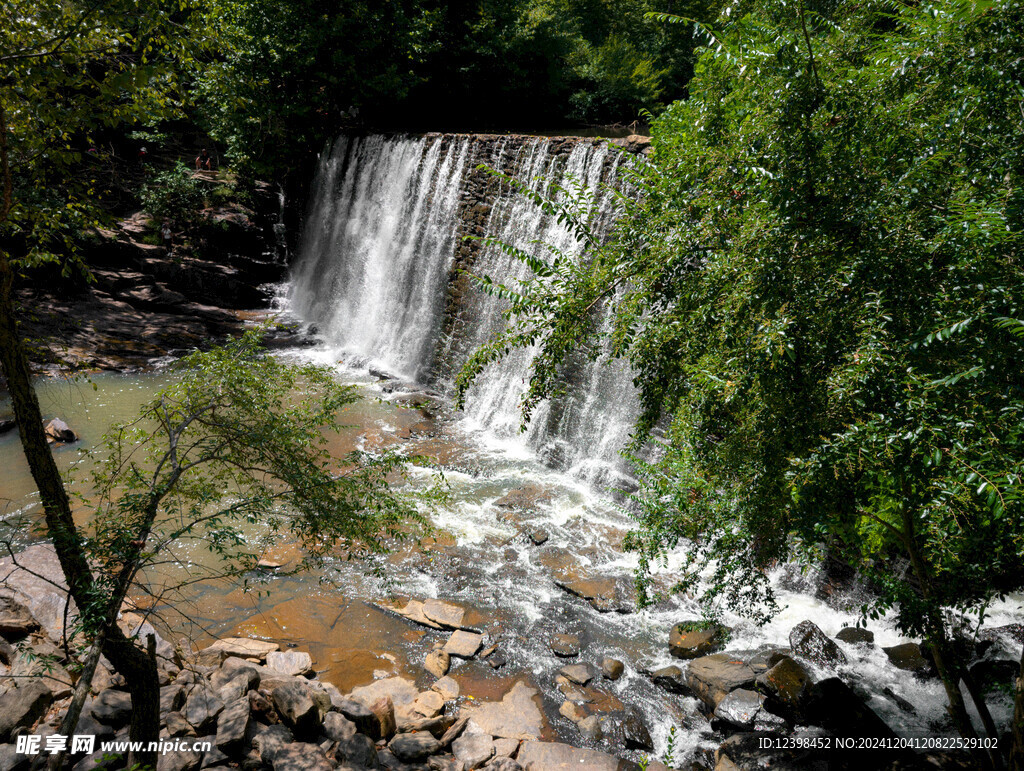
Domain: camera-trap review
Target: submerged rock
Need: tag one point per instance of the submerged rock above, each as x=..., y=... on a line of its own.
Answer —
x=908, y=657
x=565, y=645
x=691, y=640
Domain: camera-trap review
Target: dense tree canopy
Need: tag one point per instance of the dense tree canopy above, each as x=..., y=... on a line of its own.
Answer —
x=819, y=291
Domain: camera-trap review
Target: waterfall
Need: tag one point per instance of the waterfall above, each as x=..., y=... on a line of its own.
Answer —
x=378, y=273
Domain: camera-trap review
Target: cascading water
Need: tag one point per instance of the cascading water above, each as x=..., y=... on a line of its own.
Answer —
x=377, y=263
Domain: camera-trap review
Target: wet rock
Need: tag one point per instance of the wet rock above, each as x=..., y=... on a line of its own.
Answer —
x=855, y=635
x=338, y=728
x=516, y=716
x=538, y=537
x=553, y=756
x=605, y=595
x=496, y=660
x=809, y=641
x=413, y=610
x=787, y=682
x=745, y=710
x=448, y=688
x=294, y=703
x=22, y=706
x=437, y=663
x=908, y=658
x=671, y=678
x=995, y=674
x=526, y=498
x=290, y=663
x=473, y=750
x=1012, y=632
x=834, y=706
x=565, y=645
x=232, y=726
x=299, y=756
x=612, y=669
x=413, y=747
x=113, y=708
x=16, y=621
x=358, y=751
x=691, y=639
x=711, y=678
x=444, y=613
x=463, y=644
x=59, y=431
x=581, y=674
x=591, y=729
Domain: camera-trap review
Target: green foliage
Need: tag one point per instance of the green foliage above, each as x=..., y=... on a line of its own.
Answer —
x=230, y=458
x=819, y=291
x=174, y=194
x=74, y=73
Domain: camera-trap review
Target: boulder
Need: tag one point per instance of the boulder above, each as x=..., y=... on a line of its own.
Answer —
x=299, y=756
x=172, y=698
x=113, y=708
x=444, y=613
x=22, y=706
x=834, y=706
x=16, y=621
x=503, y=764
x=691, y=640
x=387, y=723
x=338, y=728
x=809, y=641
x=428, y=704
x=463, y=644
x=59, y=431
x=290, y=663
x=605, y=595
x=177, y=725
x=908, y=657
x=365, y=720
x=242, y=647
x=672, y=679
x=294, y=703
x=745, y=710
x=183, y=760
x=437, y=663
x=412, y=747
x=447, y=687
x=581, y=674
x=505, y=748
x=358, y=751
x=787, y=682
x=473, y=750
x=516, y=716
x=553, y=756
x=612, y=669
x=711, y=678
x=269, y=739
x=232, y=726
x=855, y=635
x=202, y=707
x=565, y=646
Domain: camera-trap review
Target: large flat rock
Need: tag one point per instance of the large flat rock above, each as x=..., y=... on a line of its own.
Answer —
x=552, y=756
x=516, y=716
x=400, y=690
x=43, y=591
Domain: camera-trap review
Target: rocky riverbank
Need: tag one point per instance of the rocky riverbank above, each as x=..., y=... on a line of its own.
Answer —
x=259, y=704
x=145, y=297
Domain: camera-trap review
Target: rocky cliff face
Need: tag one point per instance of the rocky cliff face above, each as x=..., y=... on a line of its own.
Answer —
x=146, y=297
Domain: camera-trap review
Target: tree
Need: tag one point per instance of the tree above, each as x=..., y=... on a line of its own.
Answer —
x=818, y=289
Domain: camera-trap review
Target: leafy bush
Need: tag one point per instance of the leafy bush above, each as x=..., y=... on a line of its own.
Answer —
x=175, y=195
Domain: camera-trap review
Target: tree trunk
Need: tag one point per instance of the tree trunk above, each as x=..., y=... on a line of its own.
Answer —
x=138, y=669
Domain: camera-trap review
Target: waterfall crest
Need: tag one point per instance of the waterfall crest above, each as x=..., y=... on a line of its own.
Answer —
x=379, y=273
